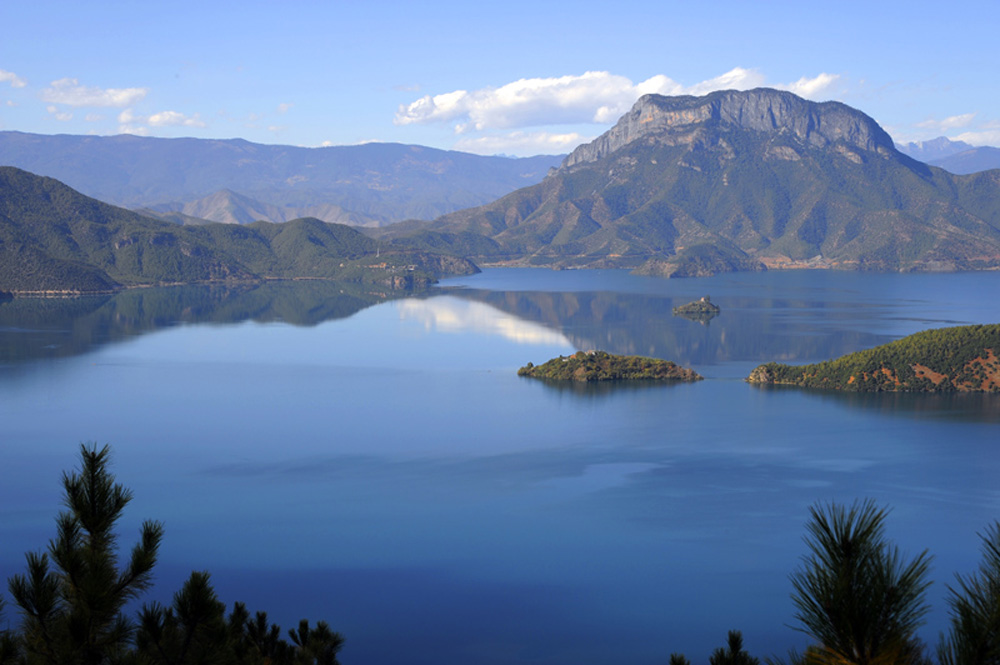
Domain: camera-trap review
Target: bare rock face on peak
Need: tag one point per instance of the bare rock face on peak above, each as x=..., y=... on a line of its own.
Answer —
x=678, y=120
x=733, y=181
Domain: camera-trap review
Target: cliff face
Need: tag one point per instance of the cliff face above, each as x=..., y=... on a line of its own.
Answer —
x=678, y=120
x=737, y=180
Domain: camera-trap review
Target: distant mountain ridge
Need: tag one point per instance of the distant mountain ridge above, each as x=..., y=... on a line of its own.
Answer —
x=735, y=180
x=933, y=149
x=953, y=156
x=55, y=240
x=376, y=183
x=983, y=158
x=228, y=207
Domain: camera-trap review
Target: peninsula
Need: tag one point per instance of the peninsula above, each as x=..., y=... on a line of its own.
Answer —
x=959, y=359
x=603, y=366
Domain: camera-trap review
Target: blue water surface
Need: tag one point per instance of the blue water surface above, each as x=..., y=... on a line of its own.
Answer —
x=383, y=468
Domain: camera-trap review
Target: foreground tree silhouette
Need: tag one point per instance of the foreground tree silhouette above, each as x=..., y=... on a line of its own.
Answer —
x=975, y=611
x=193, y=630
x=8, y=642
x=734, y=654
x=854, y=593
x=71, y=598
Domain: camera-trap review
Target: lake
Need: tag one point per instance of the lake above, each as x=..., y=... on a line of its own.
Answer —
x=374, y=461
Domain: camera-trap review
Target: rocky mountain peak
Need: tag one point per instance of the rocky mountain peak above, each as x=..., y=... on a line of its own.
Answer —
x=673, y=119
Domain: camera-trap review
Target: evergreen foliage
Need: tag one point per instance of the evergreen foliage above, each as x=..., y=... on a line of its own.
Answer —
x=854, y=594
x=963, y=358
x=9, y=648
x=974, y=638
x=703, y=306
x=603, y=366
x=733, y=654
x=72, y=598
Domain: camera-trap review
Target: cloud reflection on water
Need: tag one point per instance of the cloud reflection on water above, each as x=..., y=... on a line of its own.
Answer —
x=453, y=315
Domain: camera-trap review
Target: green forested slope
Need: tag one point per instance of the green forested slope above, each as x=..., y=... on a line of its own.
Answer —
x=53, y=238
x=603, y=366
x=959, y=359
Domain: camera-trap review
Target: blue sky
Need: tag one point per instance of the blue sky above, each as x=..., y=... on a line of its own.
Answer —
x=489, y=77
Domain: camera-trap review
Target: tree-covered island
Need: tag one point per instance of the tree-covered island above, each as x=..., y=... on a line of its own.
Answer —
x=959, y=359
x=603, y=366
x=703, y=305
x=702, y=310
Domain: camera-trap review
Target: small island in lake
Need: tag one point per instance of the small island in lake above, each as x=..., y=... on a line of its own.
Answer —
x=959, y=359
x=702, y=311
x=603, y=366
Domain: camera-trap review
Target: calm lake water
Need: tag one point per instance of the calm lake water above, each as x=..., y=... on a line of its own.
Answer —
x=377, y=463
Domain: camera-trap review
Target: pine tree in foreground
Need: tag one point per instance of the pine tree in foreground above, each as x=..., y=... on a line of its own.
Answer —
x=975, y=611
x=854, y=594
x=71, y=597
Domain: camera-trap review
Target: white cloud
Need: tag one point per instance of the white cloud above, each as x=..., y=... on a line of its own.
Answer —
x=11, y=103
x=130, y=123
x=60, y=116
x=174, y=119
x=283, y=108
x=989, y=136
x=811, y=88
x=12, y=78
x=593, y=97
x=522, y=143
x=737, y=78
x=949, y=123
x=93, y=117
x=69, y=92
x=138, y=130
x=252, y=120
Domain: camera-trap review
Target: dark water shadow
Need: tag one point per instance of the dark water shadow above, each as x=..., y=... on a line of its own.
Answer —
x=958, y=407
x=44, y=328
x=598, y=389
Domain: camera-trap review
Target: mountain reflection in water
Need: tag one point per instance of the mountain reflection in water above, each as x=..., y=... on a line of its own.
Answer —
x=373, y=460
x=36, y=328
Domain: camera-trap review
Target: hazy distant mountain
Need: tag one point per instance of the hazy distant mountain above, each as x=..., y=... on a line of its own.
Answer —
x=733, y=181
x=954, y=156
x=975, y=160
x=375, y=182
x=55, y=239
x=928, y=151
x=228, y=207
